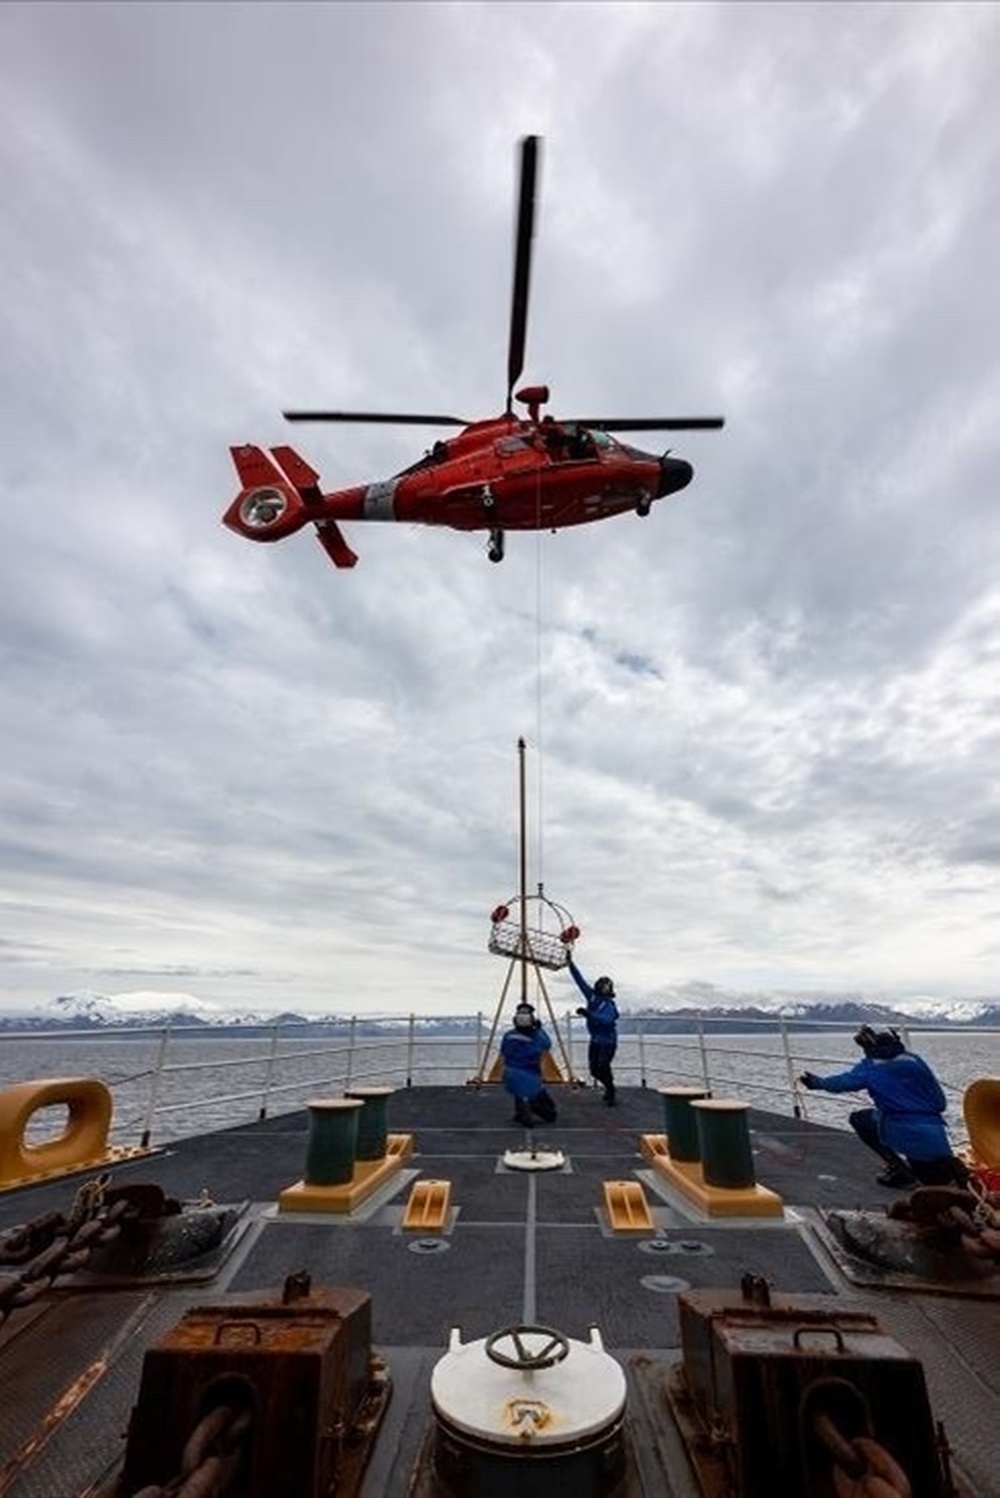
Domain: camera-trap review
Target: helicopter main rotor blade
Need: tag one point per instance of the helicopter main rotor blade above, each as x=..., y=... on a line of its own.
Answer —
x=389, y=418
x=646, y=423
x=522, y=263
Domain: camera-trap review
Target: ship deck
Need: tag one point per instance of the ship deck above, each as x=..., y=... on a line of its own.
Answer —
x=517, y=1247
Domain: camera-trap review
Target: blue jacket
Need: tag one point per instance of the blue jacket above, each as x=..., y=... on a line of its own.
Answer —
x=909, y=1100
x=602, y=1011
x=522, y=1052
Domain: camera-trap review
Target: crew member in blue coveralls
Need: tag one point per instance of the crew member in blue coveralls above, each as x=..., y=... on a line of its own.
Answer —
x=523, y=1049
x=601, y=1014
x=906, y=1125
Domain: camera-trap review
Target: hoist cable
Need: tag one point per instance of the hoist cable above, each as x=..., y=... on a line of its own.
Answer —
x=538, y=678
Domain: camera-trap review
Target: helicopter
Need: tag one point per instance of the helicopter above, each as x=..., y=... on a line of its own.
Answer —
x=512, y=472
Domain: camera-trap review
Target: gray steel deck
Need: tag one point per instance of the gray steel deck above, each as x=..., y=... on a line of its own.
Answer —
x=517, y=1247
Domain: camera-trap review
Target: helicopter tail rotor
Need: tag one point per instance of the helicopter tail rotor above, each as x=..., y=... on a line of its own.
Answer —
x=269, y=506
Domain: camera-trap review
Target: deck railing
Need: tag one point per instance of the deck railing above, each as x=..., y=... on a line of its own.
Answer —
x=173, y=1080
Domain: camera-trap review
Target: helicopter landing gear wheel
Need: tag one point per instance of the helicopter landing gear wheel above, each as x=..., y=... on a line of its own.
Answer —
x=522, y=1356
x=495, y=549
x=643, y=507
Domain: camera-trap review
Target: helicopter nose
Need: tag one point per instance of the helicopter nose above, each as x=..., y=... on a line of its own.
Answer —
x=675, y=473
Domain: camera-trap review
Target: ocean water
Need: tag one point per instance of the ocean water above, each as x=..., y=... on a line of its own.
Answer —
x=200, y=1084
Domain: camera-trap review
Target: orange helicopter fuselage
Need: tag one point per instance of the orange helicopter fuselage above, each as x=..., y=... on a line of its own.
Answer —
x=501, y=474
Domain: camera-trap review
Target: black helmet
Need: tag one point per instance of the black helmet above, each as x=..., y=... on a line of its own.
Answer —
x=604, y=986
x=879, y=1045
x=524, y=1017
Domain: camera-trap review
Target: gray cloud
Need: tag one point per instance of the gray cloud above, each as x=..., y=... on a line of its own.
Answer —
x=762, y=722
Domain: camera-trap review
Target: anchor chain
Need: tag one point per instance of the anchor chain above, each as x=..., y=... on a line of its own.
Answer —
x=212, y=1457
x=861, y=1467
x=964, y=1218
x=54, y=1244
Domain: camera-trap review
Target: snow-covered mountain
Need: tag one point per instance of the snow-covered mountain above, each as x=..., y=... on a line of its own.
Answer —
x=823, y=1007
x=88, y=1010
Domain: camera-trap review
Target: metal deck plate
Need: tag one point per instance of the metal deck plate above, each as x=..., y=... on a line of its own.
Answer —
x=516, y=1247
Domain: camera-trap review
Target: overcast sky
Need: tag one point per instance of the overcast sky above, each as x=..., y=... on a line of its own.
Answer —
x=762, y=723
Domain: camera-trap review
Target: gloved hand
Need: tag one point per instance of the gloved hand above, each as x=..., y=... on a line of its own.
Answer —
x=582, y=1013
x=809, y=1080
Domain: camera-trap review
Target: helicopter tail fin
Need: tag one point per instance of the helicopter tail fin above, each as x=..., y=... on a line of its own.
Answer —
x=331, y=538
x=297, y=470
x=306, y=481
x=255, y=467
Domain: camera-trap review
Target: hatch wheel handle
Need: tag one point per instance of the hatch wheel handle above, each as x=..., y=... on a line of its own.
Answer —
x=523, y=1357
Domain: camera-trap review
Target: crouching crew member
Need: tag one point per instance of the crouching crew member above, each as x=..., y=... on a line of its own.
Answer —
x=523, y=1048
x=906, y=1124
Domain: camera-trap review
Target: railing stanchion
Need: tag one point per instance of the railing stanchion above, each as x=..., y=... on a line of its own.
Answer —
x=352, y=1028
x=479, y=1044
x=642, y=1052
x=790, y=1068
x=269, y=1074
x=704, y=1053
x=411, y=1040
x=154, y=1086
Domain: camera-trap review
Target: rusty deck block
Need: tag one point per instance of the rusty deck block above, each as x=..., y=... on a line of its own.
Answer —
x=300, y=1377
x=428, y=1206
x=627, y=1208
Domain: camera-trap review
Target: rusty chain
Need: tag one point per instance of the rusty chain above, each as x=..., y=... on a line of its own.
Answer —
x=212, y=1458
x=861, y=1467
x=54, y=1244
x=966, y=1218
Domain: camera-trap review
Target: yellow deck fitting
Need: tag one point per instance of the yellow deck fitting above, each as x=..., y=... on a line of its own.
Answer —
x=653, y=1145
x=551, y=1070
x=399, y=1146
x=627, y=1208
x=718, y=1201
x=981, y=1110
x=83, y=1144
x=368, y=1176
x=428, y=1205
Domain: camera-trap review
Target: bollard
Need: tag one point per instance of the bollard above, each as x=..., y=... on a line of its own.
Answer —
x=372, y=1120
x=333, y=1140
x=724, y=1139
x=681, y=1123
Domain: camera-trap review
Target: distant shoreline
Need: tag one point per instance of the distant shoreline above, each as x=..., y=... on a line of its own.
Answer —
x=682, y=1022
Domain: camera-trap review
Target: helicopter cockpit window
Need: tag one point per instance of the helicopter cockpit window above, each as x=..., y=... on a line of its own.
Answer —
x=504, y=446
x=601, y=439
